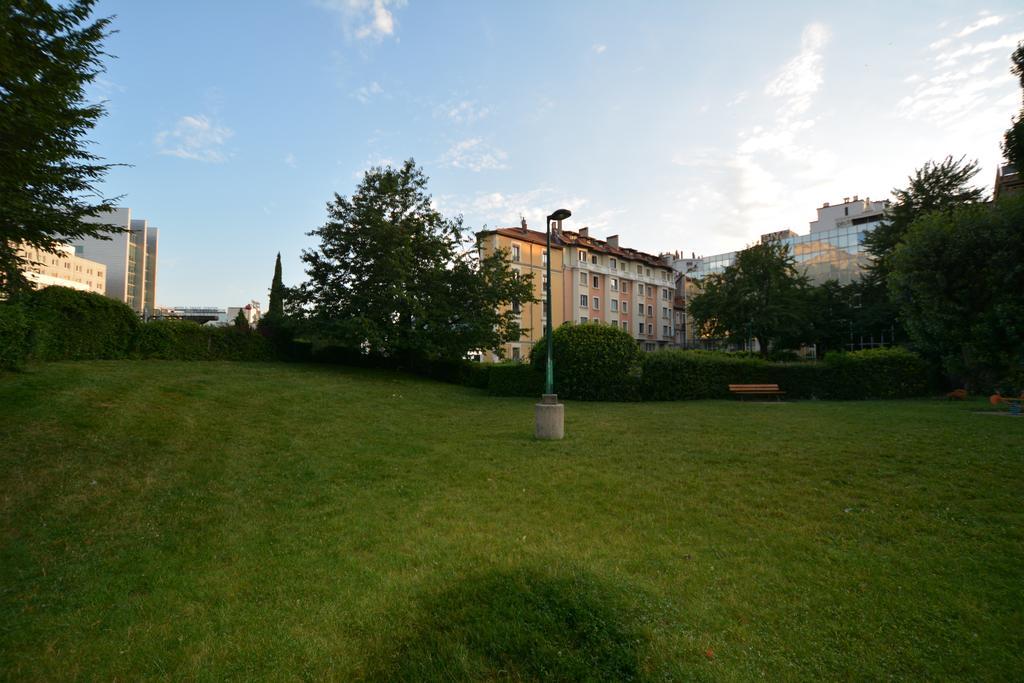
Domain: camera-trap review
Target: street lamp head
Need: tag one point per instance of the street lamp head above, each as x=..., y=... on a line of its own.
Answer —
x=560, y=215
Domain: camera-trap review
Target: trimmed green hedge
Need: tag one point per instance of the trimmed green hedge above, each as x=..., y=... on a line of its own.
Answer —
x=514, y=379
x=15, y=342
x=186, y=340
x=593, y=362
x=874, y=374
x=71, y=325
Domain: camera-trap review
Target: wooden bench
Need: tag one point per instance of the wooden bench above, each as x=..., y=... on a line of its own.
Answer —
x=743, y=390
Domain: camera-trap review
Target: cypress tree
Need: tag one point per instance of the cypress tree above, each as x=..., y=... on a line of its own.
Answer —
x=276, y=308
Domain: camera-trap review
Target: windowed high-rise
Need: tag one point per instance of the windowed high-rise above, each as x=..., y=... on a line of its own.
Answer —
x=130, y=257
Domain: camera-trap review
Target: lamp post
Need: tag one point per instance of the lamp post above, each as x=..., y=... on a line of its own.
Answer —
x=550, y=415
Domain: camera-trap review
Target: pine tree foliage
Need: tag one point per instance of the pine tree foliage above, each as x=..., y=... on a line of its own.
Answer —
x=49, y=179
x=392, y=276
x=277, y=292
x=1013, y=141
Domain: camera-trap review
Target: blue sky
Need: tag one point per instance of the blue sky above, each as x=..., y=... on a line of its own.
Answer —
x=689, y=126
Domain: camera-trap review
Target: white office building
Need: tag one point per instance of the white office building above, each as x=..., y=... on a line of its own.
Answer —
x=130, y=258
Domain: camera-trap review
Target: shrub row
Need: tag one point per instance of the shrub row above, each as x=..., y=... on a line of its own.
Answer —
x=872, y=374
x=592, y=362
x=57, y=323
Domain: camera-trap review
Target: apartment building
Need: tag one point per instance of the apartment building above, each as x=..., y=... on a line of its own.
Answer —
x=593, y=281
x=130, y=258
x=527, y=252
x=63, y=269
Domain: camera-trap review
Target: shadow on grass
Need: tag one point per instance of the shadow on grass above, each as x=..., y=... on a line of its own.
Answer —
x=521, y=624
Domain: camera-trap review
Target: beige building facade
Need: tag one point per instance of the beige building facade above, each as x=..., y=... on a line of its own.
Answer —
x=594, y=281
x=63, y=269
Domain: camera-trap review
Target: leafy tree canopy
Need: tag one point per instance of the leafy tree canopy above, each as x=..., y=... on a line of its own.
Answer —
x=1013, y=141
x=48, y=177
x=392, y=276
x=761, y=296
x=958, y=278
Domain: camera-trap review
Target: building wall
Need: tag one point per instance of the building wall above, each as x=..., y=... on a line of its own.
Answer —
x=527, y=258
x=130, y=258
x=64, y=269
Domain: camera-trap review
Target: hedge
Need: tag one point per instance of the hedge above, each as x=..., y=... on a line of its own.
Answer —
x=186, y=340
x=593, y=362
x=71, y=325
x=15, y=342
x=514, y=379
x=872, y=374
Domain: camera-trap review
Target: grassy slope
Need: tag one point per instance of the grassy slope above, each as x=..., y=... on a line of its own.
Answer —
x=220, y=520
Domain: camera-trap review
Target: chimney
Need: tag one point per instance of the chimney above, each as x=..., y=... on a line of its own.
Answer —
x=585, y=232
x=825, y=205
x=523, y=221
x=613, y=240
x=846, y=200
x=855, y=198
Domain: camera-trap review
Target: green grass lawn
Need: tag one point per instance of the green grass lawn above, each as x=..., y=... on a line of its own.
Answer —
x=237, y=521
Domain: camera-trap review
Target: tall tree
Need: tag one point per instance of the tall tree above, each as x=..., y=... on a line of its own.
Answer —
x=761, y=296
x=957, y=278
x=1013, y=141
x=933, y=187
x=48, y=177
x=276, y=307
x=241, y=322
x=392, y=276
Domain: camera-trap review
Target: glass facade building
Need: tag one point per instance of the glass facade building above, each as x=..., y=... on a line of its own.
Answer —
x=833, y=250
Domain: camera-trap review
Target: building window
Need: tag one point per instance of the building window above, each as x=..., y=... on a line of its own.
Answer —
x=583, y=300
x=625, y=326
x=593, y=259
x=639, y=328
x=650, y=311
x=582, y=256
x=639, y=289
x=597, y=281
x=583, y=320
x=650, y=291
x=650, y=329
x=639, y=269
x=640, y=308
x=515, y=255
x=664, y=312
x=596, y=303
x=615, y=305
x=615, y=323
x=544, y=257
x=648, y=347
x=648, y=272
x=666, y=330
x=664, y=294
x=515, y=353
x=612, y=264
x=516, y=308
x=615, y=284
x=625, y=306
x=583, y=278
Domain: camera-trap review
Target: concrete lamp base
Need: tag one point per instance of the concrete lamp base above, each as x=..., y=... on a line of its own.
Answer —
x=550, y=418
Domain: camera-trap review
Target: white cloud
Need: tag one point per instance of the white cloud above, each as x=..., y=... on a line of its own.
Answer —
x=368, y=92
x=978, y=25
x=365, y=19
x=464, y=111
x=1007, y=42
x=195, y=137
x=739, y=99
x=475, y=155
x=801, y=77
x=598, y=48
x=503, y=209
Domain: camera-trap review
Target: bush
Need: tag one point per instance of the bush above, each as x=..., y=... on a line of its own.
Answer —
x=15, y=343
x=514, y=379
x=875, y=374
x=186, y=340
x=593, y=362
x=71, y=325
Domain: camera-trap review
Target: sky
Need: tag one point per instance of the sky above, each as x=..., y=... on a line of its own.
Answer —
x=690, y=126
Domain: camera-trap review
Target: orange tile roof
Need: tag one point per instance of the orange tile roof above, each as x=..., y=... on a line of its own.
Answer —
x=569, y=238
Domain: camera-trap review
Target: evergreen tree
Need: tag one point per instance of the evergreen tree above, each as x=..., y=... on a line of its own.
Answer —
x=276, y=307
x=1013, y=141
x=761, y=296
x=241, y=323
x=48, y=177
x=392, y=276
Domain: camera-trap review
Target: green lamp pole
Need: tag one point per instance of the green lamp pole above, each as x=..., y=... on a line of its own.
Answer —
x=549, y=386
